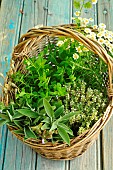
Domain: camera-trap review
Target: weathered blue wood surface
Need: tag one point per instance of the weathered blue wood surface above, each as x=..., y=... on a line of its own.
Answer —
x=16, y=17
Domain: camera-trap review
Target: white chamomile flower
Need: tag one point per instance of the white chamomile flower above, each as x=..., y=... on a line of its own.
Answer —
x=77, y=13
x=102, y=25
x=101, y=40
x=79, y=49
x=100, y=34
x=75, y=56
x=59, y=43
x=91, y=19
x=87, y=30
x=93, y=34
x=95, y=26
x=110, y=39
x=86, y=21
x=93, y=38
x=94, y=1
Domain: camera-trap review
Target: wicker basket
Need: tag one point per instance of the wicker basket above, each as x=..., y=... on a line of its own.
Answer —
x=31, y=44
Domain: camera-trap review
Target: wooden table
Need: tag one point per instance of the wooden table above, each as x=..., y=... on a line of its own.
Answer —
x=16, y=17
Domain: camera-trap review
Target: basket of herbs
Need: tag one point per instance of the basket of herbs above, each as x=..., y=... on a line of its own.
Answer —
x=57, y=95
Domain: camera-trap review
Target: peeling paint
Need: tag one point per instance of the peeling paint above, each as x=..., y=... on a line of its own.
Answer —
x=11, y=24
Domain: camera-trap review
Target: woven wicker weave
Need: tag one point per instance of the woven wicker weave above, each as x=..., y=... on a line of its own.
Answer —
x=31, y=44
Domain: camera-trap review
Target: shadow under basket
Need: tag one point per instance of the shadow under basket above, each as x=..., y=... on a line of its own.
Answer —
x=31, y=44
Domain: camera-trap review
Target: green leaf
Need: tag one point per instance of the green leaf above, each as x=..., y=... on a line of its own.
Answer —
x=64, y=135
x=45, y=126
x=67, y=129
x=48, y=108
x=3, y=122
x=76, y=4
x=10, y=116
x=12, y=111
x=46, y=120
x=17, y=115
x=40, y=102
x=19, y=131
x=29, y=133
x=4, y=116
x=36, y=120
x=18, y=123
x=67, y=116
x=28, y=113
x=59, y=111
x=54, y=125
x=88, y=5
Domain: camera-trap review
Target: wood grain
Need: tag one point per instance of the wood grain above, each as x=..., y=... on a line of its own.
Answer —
x=105, y=13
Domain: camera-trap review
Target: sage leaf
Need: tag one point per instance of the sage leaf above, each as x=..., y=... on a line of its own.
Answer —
x=19, y=131
x=59, y=111
x=18, y=123
x=54, y=125
x=4, y=116
x=10, y=116
x=45, y=126
x=28, y=113
x=46, y=120
x=67, y=116
x=17, y=115
x=29, y=133
x=66, y=128
x=48, y=108
x=64, y=135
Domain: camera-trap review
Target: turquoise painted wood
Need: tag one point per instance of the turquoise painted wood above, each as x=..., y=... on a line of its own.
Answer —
x=16, y=17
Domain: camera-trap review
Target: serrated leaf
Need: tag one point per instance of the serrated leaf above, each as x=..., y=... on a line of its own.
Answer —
x=48, y=108
x=29, y=133
x=67, y=129
x=88, y=5
x=76, y=4
x=45, y=126
x=3, y=122
x=28, y=113
x=59, y=111
x=64, y=135
x=67, y=116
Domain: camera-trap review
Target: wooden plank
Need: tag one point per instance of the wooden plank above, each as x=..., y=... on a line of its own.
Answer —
x=17, y=155
x=8, y=27
x=89, y=160
x=40, y=12
x=59, y=12
x=107, y=146
x=105, y=13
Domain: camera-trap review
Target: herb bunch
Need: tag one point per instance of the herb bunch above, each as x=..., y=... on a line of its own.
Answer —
x=59, y=95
